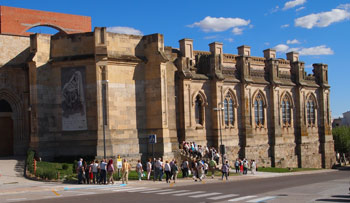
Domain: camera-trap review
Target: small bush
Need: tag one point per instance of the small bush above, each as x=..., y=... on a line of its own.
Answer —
x=30, y=160
x=75, y=164
x=39, y=172
x=50, y=174
x=65, y=166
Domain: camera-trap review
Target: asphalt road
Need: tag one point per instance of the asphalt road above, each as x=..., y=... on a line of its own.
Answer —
x=320, y=187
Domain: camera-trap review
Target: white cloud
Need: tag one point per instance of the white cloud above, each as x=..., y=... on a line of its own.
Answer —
x=299, y=9
x=294, y=41
x=319, y=50
x=229, y=39
x=285, y=25
x=310, y=51
x=212, y=24
x=267, y=43
x=274, y=9
x=322, y=19
x=124, y=30
x=344, y=6
x=237, y=31
x=293, y=3
x=282, y=48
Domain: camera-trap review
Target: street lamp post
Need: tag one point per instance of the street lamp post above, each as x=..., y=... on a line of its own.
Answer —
x=104, y=114
x=222, y=147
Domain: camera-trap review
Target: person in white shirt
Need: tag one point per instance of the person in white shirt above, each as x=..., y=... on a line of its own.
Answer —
x=139, y=169
x=205, y=166
x=157, y=165
x=200, y=170
x=253, y=167
x=167, y=170
x=149, y=169
x=95, y=171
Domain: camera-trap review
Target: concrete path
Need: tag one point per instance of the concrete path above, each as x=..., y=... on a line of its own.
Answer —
x=12, y=170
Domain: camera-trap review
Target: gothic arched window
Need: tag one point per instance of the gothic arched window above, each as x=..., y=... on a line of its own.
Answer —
x=310, y=111
x=286, y=111
x=229, y=114
x=259, y=110
x=199, y=110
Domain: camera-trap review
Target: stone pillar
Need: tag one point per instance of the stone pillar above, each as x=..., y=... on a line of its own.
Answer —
x=246, y=126
x=186, y=49
x=275, y=134
x=216, y=60
x=270, y=53
x=293, y=56
x=156, y=94
x=41, y=55
x=244, y=50
x=325, y=129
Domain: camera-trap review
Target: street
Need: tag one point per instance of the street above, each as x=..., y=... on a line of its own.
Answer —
x=312, y=187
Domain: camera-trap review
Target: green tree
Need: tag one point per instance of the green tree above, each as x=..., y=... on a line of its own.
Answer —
x=341, y=137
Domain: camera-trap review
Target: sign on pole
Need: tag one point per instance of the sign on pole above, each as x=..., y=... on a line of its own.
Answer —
x=119, y=163
x=152, y=139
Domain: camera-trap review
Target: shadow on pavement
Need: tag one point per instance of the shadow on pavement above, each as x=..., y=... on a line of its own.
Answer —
x=341, y=196
x=344, y=198
x=332, y=200
x=344, y=168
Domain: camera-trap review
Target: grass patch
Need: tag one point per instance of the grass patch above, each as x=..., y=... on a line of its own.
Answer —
x=285, y=170
x=50, y=171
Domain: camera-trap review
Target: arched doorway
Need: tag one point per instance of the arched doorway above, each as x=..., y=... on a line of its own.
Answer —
x=6, y=129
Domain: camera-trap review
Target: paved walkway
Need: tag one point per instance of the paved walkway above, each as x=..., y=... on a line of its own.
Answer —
x=11, y=170
x=12, y=180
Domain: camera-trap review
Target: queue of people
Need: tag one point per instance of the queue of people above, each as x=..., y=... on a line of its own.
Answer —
x=102, y=172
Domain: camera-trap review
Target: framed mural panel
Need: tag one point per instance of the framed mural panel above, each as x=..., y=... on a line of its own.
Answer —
x=73, y=99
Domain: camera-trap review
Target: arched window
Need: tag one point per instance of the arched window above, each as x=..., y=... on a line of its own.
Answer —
x=199, y=110
x=310, y=111
x=259, y=110
x=229, y=114
x=286, y=111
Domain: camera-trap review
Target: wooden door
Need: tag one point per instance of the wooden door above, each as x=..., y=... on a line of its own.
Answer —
x=6, y=136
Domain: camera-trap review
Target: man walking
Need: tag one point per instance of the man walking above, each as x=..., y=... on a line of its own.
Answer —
x=225, y=169
x=125, y=171
x=103, y=167
x=212, y=166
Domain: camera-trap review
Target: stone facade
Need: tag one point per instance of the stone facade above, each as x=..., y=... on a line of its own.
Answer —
x=70, y=91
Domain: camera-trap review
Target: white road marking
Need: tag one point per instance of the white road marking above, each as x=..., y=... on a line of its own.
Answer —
x=155, y=191
x=206, y=195
x=112, y=188
x=17, y=199
x=142, y=190
x=177, y=191
x=128, y=189
x=80, y=193
x=241, y=198
x=262, y=199
x=189, y=193
x=222, y=197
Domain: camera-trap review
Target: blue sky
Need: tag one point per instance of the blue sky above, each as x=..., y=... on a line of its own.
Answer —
x=318, y=29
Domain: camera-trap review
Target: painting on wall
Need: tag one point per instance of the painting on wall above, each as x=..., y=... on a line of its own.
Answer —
x=73, y=99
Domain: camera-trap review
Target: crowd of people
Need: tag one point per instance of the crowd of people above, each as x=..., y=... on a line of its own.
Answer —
x=95, y=172
x=200, y=161
x=200, y=152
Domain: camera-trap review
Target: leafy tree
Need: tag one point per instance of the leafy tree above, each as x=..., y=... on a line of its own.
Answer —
x=341, y=137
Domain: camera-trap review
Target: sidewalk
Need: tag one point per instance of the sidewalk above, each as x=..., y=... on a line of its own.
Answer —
x=24, y=185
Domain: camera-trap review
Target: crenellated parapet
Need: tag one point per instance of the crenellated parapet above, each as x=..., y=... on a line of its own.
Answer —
x=243, y=67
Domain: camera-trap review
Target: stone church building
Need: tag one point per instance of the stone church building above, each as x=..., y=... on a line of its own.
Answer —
x=65, y=94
